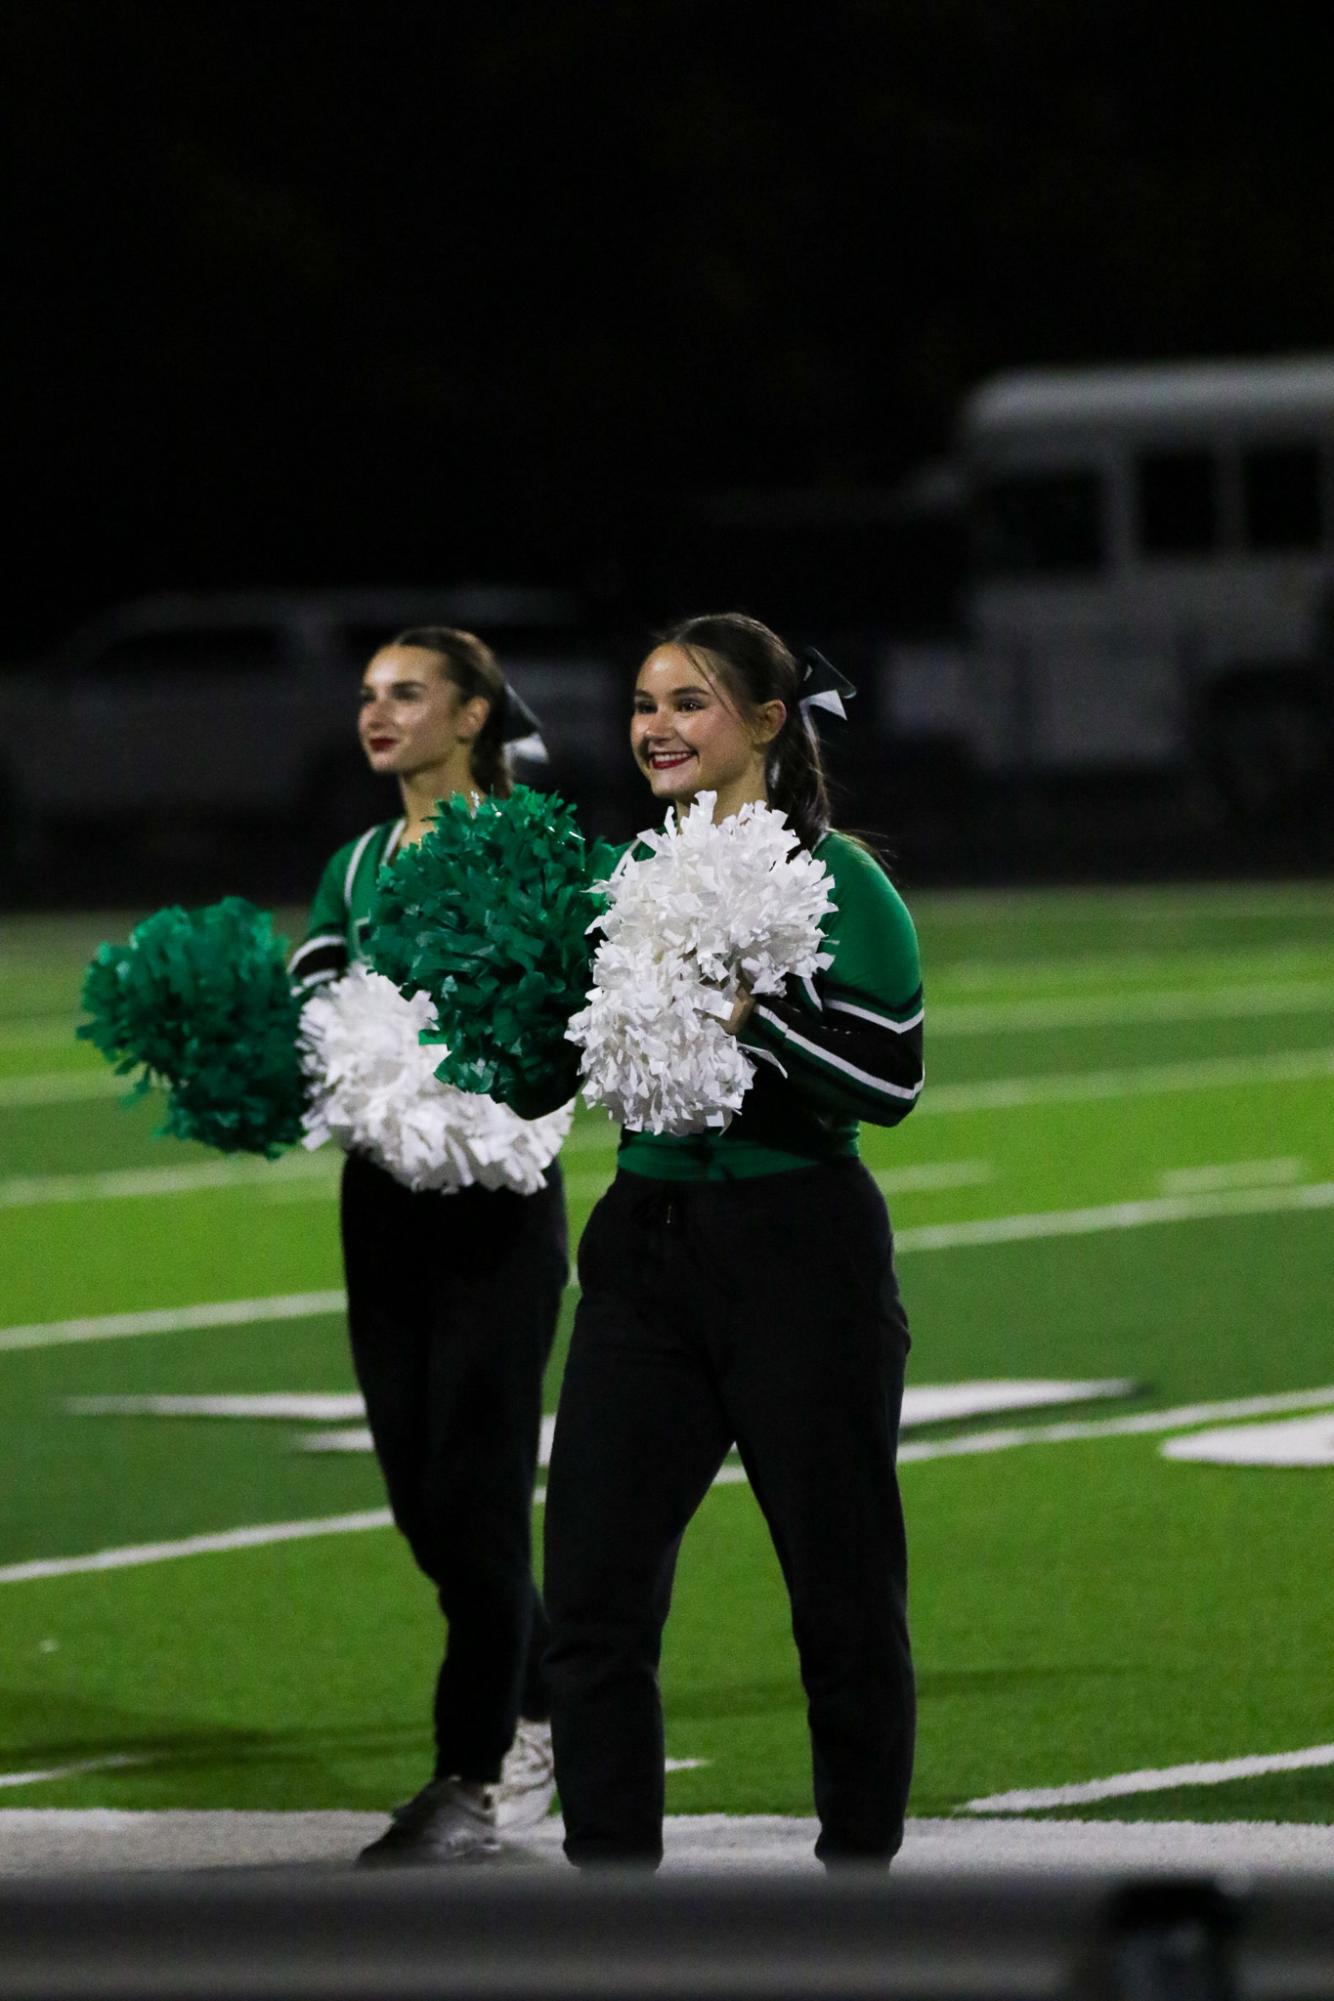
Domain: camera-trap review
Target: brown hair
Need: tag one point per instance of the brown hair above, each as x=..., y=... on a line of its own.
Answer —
x=474, y=670
x=757, y=667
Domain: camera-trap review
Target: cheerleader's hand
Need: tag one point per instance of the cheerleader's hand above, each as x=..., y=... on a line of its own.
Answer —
x=740, y=1015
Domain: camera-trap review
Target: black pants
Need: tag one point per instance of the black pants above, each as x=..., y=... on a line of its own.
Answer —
x=452, y=1305
x=764, y=1312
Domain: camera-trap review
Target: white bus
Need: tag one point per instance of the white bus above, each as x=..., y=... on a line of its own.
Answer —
x=1152, y=573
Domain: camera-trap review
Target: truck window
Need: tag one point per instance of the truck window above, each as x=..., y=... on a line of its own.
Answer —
x=1177, y=503
x=1037, y=524
x=1280, y=496
x=197, y=654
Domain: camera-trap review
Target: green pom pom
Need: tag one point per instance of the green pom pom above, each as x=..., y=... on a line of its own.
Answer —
x=200, y=1001
x=489, y=915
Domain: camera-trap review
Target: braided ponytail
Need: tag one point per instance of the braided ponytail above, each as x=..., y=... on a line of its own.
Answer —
x=756, y=667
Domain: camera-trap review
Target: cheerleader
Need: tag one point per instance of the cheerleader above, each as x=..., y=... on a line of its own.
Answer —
x=452, y=1305
x=738, y=1287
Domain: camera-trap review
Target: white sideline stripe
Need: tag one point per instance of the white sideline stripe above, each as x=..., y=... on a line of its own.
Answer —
x=54, y=1772
x=314, y=1406
x=174, y=1319
x=132, y=1555
x=1181, y=1418
x=1214, y=1772
x=1230, y=1174
x=25, y=1191
x=729, y=1475
x=60, y=1087
x=1116, y=1216
x=925, y=1237
x=42, y=1031
x=1106, y=1010
x=929, y=1175
x=1207, y=1073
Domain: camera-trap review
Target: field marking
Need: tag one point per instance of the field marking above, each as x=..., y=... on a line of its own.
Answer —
x=1116, y=1216
x=1230, y=1174
x=729, y=1475
x=1091, y=969
x=1070, y=1086
x=1112, y=1009
x=924, y=1237
x=56, y=1840
x=174, y=1319
x=1205, y=1073
x=310, y=1406
x=25, y=1191
x=132, y=1555
x=1180, y=1418
x=1283, y=900
x=53, y=1772
x=1294, y=1441
x=39, y=1031
x=60, y=1087
x=1125, y=1785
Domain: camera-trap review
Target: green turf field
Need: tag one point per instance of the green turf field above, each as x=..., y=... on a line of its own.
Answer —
x=1122, y=1168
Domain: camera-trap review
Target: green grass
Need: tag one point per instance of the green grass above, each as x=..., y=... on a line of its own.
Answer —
x=1080, y=1609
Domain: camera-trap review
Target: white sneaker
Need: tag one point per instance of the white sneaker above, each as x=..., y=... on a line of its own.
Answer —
x=527, y=1778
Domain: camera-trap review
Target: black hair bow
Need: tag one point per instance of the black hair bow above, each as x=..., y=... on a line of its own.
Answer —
x=523, y=732
x=822, y=686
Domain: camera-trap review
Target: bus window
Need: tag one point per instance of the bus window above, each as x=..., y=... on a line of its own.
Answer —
x=1280, y=493
x=1041, y=524
x=1177, y=503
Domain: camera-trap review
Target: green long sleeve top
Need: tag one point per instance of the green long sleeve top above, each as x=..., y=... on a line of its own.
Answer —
x=340, y=913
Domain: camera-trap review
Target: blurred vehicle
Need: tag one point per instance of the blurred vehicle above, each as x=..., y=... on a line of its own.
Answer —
x=236, y=708
x=1150, y=581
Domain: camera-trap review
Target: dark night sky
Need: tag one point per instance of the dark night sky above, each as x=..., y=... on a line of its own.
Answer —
x=334, y=292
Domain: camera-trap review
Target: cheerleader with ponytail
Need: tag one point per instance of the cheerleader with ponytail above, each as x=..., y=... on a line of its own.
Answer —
x=737, y=1278
x=453, y=1290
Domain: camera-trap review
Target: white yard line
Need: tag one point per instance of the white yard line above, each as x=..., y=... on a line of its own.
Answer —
x=924, y=1237
x=1111, y=1009
x=173, y=1319
x=133, y=1555
x=1126, y=1785
x=137, y=1554
x=54, y=1772
x=1204, y=1074
x=60, y=1087
x=1144, y=1423
x=39, y=1031
x=25, y=1191
x=1116, y=1216
x=1231, y=1174
x=1068, y=1087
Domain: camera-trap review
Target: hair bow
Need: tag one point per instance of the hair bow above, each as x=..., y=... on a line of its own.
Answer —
x=523, y=732
x=822, y=686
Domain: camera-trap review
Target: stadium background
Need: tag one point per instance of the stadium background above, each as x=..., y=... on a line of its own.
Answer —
x=319, y=296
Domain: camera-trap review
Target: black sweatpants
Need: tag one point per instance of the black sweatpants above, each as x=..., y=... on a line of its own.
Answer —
x=452, y=1305
x=764, y=1312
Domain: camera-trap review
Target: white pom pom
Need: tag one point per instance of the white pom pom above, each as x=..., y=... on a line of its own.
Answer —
x=712, y=906
x=374, y=1091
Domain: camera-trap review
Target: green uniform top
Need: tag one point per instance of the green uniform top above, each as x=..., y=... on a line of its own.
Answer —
x=832, y=1051
x=340, y=914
